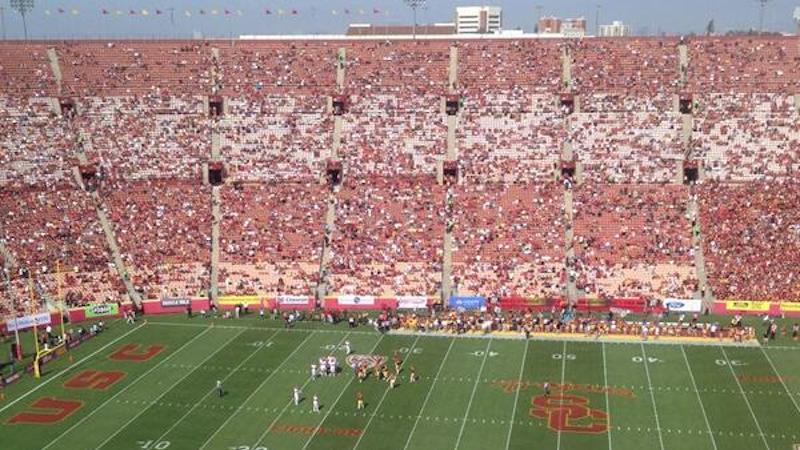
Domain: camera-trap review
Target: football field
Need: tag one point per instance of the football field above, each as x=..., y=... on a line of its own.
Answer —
x=152, y=386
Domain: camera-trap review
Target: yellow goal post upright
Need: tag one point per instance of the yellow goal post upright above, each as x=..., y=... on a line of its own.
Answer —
x=61, y=348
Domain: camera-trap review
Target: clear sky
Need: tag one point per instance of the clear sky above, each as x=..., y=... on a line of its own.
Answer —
x=83, y=18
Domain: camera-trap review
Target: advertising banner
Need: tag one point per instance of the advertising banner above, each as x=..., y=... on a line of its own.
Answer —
x=288, y=300
x=683, y=305
x=474, y=302
x=239, y=299
x=356, y=300
x=790, y=306
x=744, y=305
x=412, y=302
x=106, y=309
x=171, y=302
x=22, y=323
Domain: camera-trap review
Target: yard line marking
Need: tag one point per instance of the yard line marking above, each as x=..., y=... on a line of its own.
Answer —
x=274, y=421
x=265, y=328
x=160, y=396
x=123, y=390
x=700, y=400
x=335, y=402
x=210, y=391
x=428, y=396
x=608, y=403
x=516, y=396
x=377, y=408
x=774, y=369
x=252, y=394
x=746, y=400
x=563, y=372
x=472, y=397
x=652, y=397
x=66, y=369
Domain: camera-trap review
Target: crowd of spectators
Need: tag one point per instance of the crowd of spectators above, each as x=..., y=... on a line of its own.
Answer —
x=643, y=67
x=53, y=232
x=509, y=136
x=163, y=229
x=388, y=236
x=509, y=239
x=744, y=137
x=254, y=68
x=393, y=132
x=744, y=64
x=620, y=140
x=271, y=237
x=124, y=68
x=567, y=321
x=531, y=65
x=633, y=240
x=421, y=65
x=140, y=115
x=25, y=70
x=751, y=235
x=276, y=137
x=146, y=136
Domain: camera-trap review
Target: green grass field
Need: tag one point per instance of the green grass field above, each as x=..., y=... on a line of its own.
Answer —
x=473, y=393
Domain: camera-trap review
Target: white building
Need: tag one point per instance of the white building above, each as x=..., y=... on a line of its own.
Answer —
x=616, y=29
x=479, y=19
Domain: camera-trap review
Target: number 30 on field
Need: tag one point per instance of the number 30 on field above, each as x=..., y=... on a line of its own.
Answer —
x=246, y=447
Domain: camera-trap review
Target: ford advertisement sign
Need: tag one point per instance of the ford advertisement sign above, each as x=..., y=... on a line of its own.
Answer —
x=683, y=305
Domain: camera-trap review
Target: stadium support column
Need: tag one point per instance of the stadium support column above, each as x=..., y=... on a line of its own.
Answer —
x=571, y=288
x=341, y=64
x=683, y=65
x=8, y=258
x=569, y=157
x=452, y=160
x=330, y=213
x=55, y=66
x=216, y=217
x=105, y=224
x=566, y=67
x=705, y=291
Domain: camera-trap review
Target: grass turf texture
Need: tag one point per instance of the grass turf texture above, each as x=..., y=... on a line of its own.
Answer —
x=473, y=393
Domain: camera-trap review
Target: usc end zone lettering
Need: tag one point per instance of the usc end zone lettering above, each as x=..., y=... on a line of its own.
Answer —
x=569, y=413
x=51, y=410
x=94, y=379
x=131, y=352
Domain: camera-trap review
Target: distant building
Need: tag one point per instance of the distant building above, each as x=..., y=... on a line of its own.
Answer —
x=479, y=19
x=365, y=29
x=616, y=29
x=575, y=27
x=549, y=25
x=570, y=27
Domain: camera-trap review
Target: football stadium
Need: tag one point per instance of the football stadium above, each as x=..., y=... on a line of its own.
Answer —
x=339, y=226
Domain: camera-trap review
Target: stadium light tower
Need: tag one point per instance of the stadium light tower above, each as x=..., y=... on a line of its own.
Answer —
x=797, y=19
x=22, y=7
x=414, y=5
x=3, y=21
x=761, y=14
x=597, y=7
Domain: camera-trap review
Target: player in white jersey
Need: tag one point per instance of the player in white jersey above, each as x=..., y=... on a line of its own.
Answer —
x=347, y=349
x=315, y=404
x=296, y=396
x=314, y=371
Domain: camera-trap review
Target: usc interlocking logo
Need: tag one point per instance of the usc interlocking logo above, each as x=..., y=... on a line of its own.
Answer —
x=569, y=413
